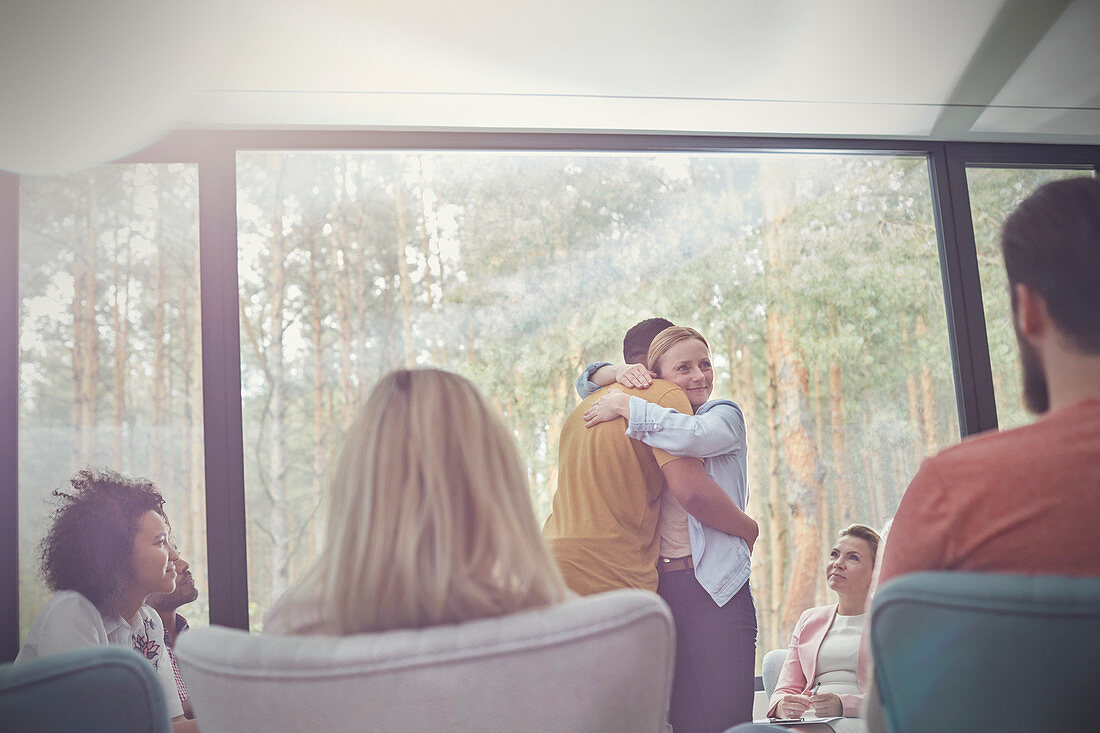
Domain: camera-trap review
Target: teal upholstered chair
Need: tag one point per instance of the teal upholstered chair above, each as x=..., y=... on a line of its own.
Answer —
x=977, y=652
x=104, y=688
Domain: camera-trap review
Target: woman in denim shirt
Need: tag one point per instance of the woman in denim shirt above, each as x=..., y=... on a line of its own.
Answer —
x=704, y=572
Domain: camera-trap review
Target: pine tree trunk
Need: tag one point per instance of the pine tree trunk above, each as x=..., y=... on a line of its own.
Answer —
x=195, y=527
x=404, y=281
x=120, y=322
x=278, y=520
x=85, y=335
x=559, y=400
x=426, y=216
x=805, y=485
x=741, y=385
x=827, y=511
x=845, y=484
x=870, y=473
x=928, y=394
x=160, y=412
x=342, y=282
x=912, y=389
x=91, y=353
x=775, y=502
x=793, y=418
x=189, y=475
x=817, y=397
x=316, y=308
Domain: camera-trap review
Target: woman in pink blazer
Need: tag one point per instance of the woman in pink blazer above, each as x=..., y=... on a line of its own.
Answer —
x=828, y=666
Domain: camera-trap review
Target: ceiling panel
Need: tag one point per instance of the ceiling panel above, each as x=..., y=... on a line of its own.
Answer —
x=859, y=51
x=112, y=79
x=1056, y=91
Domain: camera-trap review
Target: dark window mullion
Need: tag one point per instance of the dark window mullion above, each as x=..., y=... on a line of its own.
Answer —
x=221, y=384
x=962, y=293
x=9, y=416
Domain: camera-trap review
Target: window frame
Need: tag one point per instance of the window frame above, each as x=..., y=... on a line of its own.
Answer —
x=214, y=152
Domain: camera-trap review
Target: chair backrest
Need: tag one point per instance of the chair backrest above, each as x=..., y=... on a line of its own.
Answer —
x=103, y=688
x=600, y=663
x=976, y=651
x=770, y=667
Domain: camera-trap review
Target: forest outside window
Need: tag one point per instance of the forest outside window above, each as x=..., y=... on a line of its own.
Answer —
x=110, y=350
x=815, y=279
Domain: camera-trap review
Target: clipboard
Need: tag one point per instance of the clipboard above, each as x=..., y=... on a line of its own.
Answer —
x=796, y=721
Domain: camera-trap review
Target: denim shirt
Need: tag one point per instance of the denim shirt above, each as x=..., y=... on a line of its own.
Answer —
x=715, y=433
x=584, y=384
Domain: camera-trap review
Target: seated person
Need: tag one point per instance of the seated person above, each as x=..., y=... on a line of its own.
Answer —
x=107, y=550
x=166, y=605
x=430, y=519
x=826, y=670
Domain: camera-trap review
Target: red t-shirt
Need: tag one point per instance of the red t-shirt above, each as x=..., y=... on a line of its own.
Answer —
x=1020, y=501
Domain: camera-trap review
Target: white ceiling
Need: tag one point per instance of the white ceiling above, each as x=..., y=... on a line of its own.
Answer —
x=939, y=69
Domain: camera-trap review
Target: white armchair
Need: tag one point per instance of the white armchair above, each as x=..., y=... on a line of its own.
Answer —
x=600, y=663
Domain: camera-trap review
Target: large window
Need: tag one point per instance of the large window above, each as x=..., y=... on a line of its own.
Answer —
x=110, y=358
x=994, y=193
x=815, y=278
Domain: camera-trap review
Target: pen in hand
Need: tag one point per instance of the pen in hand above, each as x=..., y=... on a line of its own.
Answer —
x=810, y=692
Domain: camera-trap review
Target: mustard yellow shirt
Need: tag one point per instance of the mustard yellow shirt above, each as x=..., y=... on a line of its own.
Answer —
x=602, y=527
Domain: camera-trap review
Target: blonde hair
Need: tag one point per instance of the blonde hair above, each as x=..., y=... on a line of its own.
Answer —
x=666, y=339
x=430, y=517
x=865, y=533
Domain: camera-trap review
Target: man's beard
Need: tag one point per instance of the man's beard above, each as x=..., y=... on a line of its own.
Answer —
x=1036, y=394
x=175, y=599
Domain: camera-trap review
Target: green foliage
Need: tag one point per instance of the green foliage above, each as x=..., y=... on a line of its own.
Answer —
x=520, y=268
x=514, y=270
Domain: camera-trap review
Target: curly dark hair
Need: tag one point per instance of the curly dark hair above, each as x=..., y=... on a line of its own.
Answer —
x=89, y=547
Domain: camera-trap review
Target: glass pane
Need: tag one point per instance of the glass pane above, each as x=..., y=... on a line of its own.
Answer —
x=110, y=358
x=815, y=278
x=994, y=194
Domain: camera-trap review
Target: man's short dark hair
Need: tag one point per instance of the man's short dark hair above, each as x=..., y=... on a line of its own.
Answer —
x=640, y=336
x=90, y=545
x=1051, y=243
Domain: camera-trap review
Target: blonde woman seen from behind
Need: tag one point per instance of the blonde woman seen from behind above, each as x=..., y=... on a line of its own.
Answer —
x=430, y=519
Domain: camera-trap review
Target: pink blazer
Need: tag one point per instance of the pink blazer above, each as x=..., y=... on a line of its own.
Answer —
x=800, y=668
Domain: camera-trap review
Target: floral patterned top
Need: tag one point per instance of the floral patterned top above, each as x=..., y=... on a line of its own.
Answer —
x=70, y=621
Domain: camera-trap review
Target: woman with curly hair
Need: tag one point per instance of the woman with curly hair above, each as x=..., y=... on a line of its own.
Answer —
x=106, y=551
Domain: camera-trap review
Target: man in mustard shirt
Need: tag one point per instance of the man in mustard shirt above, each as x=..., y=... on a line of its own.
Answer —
x=602, y=528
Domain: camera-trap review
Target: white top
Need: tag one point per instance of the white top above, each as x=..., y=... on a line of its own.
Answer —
x=838, y=657
x=70, y=621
